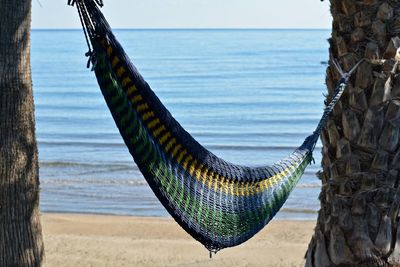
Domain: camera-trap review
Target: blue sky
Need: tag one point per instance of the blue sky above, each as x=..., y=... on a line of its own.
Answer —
x=191, y=14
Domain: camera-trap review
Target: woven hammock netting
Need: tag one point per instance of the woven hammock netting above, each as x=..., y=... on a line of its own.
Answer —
x=218, y=203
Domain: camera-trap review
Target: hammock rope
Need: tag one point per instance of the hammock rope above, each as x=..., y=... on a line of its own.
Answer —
x=218, y=203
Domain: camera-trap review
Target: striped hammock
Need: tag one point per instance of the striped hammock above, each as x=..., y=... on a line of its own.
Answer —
x=218, y=203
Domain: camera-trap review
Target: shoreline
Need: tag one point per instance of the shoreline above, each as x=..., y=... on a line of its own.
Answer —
x=73, y=239
x=168, y=216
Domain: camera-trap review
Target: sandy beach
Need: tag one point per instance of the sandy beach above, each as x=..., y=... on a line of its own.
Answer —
x=97, y=240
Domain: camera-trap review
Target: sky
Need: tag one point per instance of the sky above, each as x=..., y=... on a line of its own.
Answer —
x=313, y=14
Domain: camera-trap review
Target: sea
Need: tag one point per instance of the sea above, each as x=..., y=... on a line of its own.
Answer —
x=251, y=96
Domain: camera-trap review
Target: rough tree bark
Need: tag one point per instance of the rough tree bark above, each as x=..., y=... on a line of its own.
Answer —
x=358, y=224
x=20, y=231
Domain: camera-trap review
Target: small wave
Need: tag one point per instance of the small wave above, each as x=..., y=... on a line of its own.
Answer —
x=291, y=210
x=80, y=143
x=129, y=165
x=216, y=147
x=67, y=107
x=79, y=168
x=231, y=134
x=62, y=164
x=308, y=186
x=136, y=182
x=246, y=147
x=257, y=148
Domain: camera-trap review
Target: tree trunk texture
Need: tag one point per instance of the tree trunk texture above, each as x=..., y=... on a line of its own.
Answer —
x=20, y=230
x=358, y=223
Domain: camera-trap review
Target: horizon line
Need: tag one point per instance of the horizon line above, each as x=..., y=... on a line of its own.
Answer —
x=199, y=28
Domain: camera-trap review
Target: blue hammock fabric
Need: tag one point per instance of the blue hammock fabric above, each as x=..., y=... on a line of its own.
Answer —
x=218, y=203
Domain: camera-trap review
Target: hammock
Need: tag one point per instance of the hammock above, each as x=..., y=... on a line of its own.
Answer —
x=218, y=203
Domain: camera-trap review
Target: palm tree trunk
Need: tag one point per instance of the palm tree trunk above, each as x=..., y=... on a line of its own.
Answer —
x=20, y=230
x=358, y=220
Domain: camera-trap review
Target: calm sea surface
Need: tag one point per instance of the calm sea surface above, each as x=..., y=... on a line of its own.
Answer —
x=250, y=96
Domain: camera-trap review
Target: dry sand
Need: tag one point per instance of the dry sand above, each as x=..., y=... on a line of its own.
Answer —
x=95, y=240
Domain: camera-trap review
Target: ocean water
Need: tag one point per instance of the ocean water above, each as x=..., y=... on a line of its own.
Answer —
x=250, y=96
